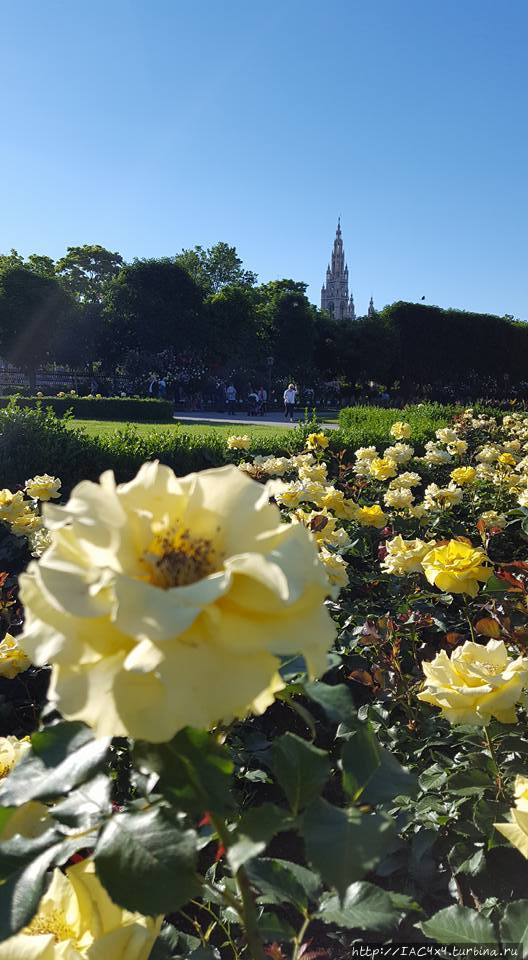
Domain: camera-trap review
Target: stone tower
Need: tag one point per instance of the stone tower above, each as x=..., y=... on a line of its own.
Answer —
x=334, y=293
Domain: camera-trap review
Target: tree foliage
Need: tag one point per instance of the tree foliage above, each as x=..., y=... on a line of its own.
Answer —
x=217, y=267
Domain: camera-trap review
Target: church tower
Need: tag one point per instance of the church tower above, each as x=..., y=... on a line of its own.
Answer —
x=334, y=293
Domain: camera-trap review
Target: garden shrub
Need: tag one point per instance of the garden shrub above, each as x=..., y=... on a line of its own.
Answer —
x=371, y=424
x=107, y=408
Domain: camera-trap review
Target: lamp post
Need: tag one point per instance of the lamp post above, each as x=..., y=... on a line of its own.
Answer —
x=270, y=362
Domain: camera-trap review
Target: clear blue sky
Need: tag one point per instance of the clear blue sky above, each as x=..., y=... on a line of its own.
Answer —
x=152, y=125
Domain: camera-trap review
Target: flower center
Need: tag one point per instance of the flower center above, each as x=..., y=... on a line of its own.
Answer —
x=51, y=922
x=176, y=558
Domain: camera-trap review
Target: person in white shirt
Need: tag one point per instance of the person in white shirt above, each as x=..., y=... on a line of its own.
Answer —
x=231, y=398
x=290, y=399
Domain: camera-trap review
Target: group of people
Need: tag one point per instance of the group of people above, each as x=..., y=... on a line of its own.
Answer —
x=256, y=400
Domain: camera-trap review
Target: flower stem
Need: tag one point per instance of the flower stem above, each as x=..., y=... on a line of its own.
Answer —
x=498, y=776
x=248, y=912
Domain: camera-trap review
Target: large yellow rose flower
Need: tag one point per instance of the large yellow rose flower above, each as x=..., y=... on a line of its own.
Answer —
x=167, y=601
x=12, y=505
x=476, y=683
x=76, y=920
x=457, y=567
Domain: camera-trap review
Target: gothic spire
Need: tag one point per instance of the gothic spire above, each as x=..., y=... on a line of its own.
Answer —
x=334, y=293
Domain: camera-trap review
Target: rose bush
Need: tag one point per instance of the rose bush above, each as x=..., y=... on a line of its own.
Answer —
x=187, y=744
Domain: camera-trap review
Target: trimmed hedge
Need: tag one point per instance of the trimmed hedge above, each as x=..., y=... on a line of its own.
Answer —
x=367, y=425
x=107, y=408
x=33, y=440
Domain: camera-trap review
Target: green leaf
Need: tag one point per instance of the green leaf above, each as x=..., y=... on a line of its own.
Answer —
x=336, y=701
x=62, y=757
x=256, y=828
x=344, y=845
x=469, y=782
x=280, y=881
x=301, y=769
x=274, y=929
x=193, y=769
x=360, y=758
x=147, y=862
x=388, y=781
x=514, y=924
x=87, y=805
x=364, y=907
x=458, y=925
x=24, y=864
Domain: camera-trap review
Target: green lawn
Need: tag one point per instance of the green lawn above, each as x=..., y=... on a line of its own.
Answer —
x=98, y=427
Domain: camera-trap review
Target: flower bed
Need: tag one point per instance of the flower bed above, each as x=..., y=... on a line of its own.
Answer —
x=293, y=710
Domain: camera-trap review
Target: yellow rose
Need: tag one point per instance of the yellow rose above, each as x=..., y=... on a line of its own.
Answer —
x=371, y=516
x=517, y=830
x=317, y=441
x=31, y=819
x=490, y=518
x=239, y=442
x=446, y=435
x=12, y=505
x=476, y=683
x=98, y=396
x=400, y=430
x=43, y=487
x=335, y=501
x=458, y=448
x=400, y=453
x=383, y=468
x=401, y=498
x=463, y=475
x=313, y=471
x=156, y=593
x=405, y=556
x=76, y=920
x=11, y=752
x=61, y=394
x=366, y=453
x=25, y=524
x=336, y=568
x=13, y=660
x=39, y=394
x=272, y=466
x=507, y=460
x=457, y=567
x=73, y=393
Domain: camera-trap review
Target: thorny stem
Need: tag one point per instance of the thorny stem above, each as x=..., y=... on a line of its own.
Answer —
x=498, y=776
x=248, y=910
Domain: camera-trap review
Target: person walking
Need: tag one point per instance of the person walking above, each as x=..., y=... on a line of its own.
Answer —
x=290, y=399
x=262, y=398
x=231, y=397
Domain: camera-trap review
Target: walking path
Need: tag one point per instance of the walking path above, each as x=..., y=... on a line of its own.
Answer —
x=269, y=420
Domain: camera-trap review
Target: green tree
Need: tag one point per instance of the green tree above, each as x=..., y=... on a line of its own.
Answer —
x=232, y=334
x=34, y=312
x=215, y=268
x=152, y=305
x=36, y=262
x=85, y=271
x=287, y=321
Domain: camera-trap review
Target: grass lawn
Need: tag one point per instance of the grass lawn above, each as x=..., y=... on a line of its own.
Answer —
x=205, y=430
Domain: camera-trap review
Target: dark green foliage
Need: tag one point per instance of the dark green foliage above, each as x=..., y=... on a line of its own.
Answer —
x=107, y=408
